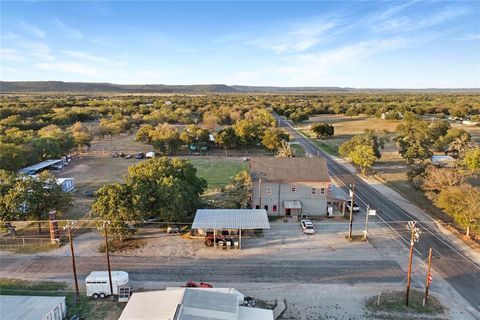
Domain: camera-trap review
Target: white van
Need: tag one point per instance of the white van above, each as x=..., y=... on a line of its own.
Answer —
x=98, y=285
x=150, y=154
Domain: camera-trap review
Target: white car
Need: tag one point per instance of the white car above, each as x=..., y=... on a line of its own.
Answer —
x=356, y=208
x=307, y=226
x=150, y=155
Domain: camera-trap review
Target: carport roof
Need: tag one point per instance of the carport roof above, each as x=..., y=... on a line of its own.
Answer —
x=231, y=219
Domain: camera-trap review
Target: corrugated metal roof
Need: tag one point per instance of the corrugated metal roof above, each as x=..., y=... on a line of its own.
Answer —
x=231, y=219
x=247, y=313
x=152, y=305
x=292, y=204
x=28, y=307
x=189, y=304
x=40, y=165
x=198, y=304
x=336, y=193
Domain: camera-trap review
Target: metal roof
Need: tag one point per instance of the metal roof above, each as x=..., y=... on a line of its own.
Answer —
x=29, y=307
x=152, y=305
x=40, y=166
x=337, y=194
x=197, y=304
x=189, y=304
x=231, y=219
x=292, y=204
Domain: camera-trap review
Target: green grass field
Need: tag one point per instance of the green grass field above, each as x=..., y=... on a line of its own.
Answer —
x=299, y=151
x=393, y=302
x=218, y=172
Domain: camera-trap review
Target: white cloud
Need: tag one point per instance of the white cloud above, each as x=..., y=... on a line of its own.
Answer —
x=469, y=37
x=392, y=11
x=36, y=31
x=299, y=36
x=309, y=67
x=69, y=67
x=70, y=32
x=38, y=50
x=10, y=55
x=86, y=56
x=408, y=24
x=8, y=36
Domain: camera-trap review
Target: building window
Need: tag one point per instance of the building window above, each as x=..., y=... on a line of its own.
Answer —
x=274, y=208
x=257, y=206
x=293, y=189
x=266, y=207
x=314, y=191
x=268, y=191
x=322, y=190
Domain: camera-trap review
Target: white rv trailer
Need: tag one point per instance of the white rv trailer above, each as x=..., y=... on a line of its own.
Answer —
x=98, y=285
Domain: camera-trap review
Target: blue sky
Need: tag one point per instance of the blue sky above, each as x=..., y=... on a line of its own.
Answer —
x=363, y=44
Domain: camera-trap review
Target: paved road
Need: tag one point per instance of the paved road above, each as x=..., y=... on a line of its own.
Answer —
x=210, y=270
x=452, y=264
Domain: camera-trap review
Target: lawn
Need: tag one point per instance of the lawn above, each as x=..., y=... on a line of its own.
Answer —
x=217, y=171
x=298, y=149
x=393, y=302
x=85, y=307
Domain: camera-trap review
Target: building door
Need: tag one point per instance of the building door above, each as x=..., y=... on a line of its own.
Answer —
x=288, y=212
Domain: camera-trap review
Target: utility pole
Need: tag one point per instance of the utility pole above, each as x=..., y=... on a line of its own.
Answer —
x=104, y=227
x=366, y=222
x=414, y=236
x=352, y=197
x=427, y=282
x=71, y=225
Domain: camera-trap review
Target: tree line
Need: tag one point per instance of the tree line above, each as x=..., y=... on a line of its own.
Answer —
x=397, y=106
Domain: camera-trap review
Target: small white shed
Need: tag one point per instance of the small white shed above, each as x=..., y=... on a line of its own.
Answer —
x=67, y=184
x=32, y=308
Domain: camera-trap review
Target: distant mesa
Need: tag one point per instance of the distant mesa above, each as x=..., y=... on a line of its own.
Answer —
x=93, y=87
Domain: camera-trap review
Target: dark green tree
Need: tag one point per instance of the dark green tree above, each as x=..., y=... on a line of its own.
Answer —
x=323, y=130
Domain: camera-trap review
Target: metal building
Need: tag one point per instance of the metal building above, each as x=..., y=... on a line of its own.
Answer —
x=32, y=308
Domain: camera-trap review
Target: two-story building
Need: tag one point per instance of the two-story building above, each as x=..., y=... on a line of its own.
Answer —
x=290, y=186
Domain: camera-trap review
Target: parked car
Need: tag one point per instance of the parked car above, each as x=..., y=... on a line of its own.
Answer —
x=139, y=155
x=150, y=154
x=173, y=229
x=114, y=155
x=129, y=156
x=307, y=226
x=356, y=208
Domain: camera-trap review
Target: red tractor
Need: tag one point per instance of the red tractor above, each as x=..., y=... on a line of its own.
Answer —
x=209, y=238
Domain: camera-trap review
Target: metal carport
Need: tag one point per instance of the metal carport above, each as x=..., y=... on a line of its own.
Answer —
x=240, y=219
